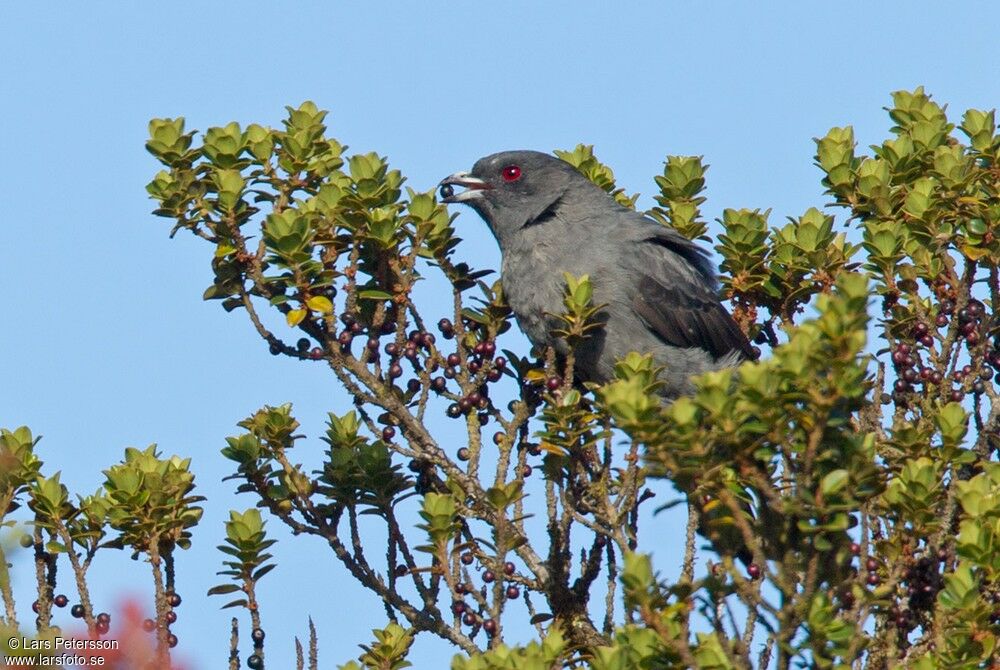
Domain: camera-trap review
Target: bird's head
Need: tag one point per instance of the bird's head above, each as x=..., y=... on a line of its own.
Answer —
x=512, y=189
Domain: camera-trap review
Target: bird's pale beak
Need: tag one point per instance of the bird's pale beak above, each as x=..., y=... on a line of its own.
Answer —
x=473, y=186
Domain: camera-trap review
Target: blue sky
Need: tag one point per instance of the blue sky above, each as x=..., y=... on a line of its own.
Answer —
x=105, y=340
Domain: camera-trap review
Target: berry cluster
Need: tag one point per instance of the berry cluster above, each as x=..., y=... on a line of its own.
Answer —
x=470, y=617
x=970, y=327
x=481, y=367
x=872, y=566
x=923, y=581
x=256, y=659
x=77, y=611
x=173, y=601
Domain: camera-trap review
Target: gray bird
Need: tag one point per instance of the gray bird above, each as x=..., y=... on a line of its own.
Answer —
x=658, y=288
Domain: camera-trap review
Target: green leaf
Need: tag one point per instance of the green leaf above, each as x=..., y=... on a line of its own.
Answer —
x=374, y=294
x=834, y=482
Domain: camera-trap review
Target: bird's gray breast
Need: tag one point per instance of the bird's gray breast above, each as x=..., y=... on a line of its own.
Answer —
x=533, y=284
x=533, y=276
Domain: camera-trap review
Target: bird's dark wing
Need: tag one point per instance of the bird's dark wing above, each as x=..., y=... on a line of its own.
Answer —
x=675, y=297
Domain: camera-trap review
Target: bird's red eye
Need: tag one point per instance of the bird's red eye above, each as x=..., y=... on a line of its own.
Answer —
x=511, y=173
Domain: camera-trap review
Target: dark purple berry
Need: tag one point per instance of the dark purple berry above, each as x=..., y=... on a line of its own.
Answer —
x=490, y=626
x=388, y=433
x=453, y=360
x=508, y=568
x=458, y=607
x=553, y=383
x=467, y=558
x=60, y=600
x=149, y=625
x=258, y=636
x=76, y=611
x=464, y=454
x=171, y=616
x=489, y=577
x=400, y=570
x=753, y=571
x=469, y=618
